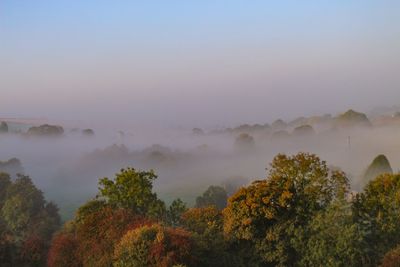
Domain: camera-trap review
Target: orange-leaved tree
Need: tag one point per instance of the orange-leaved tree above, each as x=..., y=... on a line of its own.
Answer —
x=270, y=213
x=154, y=246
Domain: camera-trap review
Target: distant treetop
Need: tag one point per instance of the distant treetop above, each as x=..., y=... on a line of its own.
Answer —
x=3, y=127
x=378, y=166
x=46, y=130
x=11, y=166
x=280, y=134
x=279, y=125
x=213, y=196
x=244, y=141
x=197, y=131
x=88, y=132
x=352, y=118
x=304, y=130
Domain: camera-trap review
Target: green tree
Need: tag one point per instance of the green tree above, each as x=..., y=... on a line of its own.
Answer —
x=213, y=196
x=378, y=166
x=132, y=189
x=269, y=213
x=332, y=239
x=90, y=207
x=175, y=211
x=206, y=226
x=23, y=203
x=27, y=222
x=352, y=118
x=377, y=212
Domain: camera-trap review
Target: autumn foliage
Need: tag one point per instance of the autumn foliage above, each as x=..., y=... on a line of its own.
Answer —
x=153, y=245
x=64, y=251
x=301, y=214
x=392, y=258
x=269, y=212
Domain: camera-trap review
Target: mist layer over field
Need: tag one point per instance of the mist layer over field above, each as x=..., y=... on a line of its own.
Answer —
x=67, y=168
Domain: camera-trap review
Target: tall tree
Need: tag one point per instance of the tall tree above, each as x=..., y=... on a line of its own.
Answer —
x=27, y=222
x=206, y=226
x=377, y=212
x=332, y=238
x=132, y=189
x=268, y=213
x=378, y=166
x=213, y=196
x=175, y=211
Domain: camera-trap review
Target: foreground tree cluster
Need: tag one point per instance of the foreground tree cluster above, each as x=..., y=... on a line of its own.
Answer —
x=302, y=214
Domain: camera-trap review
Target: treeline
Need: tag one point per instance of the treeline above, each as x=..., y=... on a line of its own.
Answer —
x=44, y=130
x=302, y=214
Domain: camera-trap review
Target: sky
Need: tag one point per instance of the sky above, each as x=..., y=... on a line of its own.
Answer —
x=196, y=63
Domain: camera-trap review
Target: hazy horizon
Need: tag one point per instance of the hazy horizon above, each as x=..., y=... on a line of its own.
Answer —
x=208, y=63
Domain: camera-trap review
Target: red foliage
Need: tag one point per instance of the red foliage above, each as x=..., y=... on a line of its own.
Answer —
x=63, y=251
x=99, y=232
x=174, y=248
x=33, y=250
x=392, y=258
x=94, y=237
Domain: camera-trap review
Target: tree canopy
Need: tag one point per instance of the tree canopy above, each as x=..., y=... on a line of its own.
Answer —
x=132, y=189
x=153, y=245
x=352, y=118
x=378, y=166
x=269, y=212
x=245, y=142
x=27, y=222
x=46, y=130
x=377, y=211
x=301, y=214
x=213, y=196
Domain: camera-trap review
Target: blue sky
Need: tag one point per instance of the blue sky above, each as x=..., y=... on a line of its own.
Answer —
x=197, y=62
